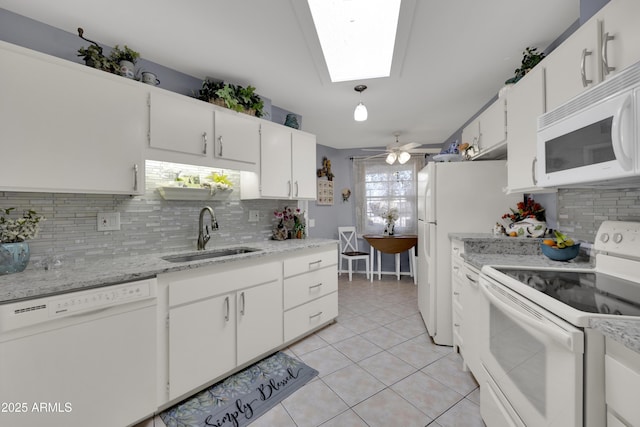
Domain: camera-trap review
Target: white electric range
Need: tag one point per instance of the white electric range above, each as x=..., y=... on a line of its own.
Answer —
x=542, y=363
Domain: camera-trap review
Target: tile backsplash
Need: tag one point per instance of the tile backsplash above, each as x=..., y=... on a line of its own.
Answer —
x=149, y=223
x=581, y=211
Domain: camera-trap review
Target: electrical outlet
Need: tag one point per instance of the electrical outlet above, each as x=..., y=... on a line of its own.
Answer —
x=312, y=222
x=108, y=221
x=254, y=216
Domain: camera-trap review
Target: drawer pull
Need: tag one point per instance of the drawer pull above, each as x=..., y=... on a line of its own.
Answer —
x=226, y=314
x=456, y=293
x=316, y=263
x=315, y=286
x=242, y=303
x=471, y=279
x=315, y=315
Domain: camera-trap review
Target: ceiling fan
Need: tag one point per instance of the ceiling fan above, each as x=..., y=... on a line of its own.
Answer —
x=401, y=152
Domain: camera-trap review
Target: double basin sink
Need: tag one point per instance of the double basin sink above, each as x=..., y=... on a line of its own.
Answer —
x=216, y=253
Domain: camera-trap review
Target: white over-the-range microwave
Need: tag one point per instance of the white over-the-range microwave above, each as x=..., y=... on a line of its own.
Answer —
x=593, y=139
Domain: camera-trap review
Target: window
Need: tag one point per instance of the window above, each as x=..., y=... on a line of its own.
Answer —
x=379, y=187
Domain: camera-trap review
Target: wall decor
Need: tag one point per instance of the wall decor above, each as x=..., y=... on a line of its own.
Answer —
x=346, y=193
x=326, y=169
x=325, y=192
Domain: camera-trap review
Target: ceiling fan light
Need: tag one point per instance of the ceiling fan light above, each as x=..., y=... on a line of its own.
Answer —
x=391, y=158
x=360, y=114
x=403, y=157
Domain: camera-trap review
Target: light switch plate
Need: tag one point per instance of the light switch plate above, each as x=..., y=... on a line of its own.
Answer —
x=254, y=216
x=108, y=221
x=312, y=222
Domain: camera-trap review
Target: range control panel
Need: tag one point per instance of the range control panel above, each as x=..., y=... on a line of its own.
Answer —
x=619, y=238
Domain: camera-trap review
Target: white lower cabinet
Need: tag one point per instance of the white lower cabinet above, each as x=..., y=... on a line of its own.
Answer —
x=220, y=318
x=622, y=381
x=310, y=292
x=217, y=319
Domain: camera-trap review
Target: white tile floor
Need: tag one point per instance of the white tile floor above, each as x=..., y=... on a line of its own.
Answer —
x=377, y=367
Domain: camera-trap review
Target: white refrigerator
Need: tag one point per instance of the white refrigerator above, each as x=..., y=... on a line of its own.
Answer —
x=453, y=197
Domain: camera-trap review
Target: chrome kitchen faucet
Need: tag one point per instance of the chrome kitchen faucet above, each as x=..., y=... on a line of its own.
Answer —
x=203, y=235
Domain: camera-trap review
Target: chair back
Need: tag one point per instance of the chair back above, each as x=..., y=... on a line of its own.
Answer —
x=348, y=239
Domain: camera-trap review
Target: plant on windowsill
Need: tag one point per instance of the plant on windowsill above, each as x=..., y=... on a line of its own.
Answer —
x=14, y=250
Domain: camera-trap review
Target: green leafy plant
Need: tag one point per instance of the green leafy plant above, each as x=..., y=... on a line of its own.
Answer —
x=19, y=229
x=234, y=97
x=124, y=54
x=530, y=58
x=208, y=90
x=93, y=57
x=228, y=95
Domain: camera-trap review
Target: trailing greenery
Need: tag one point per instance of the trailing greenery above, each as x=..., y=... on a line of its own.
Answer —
x=530, y=58
x=124, y=54
x=235, y=97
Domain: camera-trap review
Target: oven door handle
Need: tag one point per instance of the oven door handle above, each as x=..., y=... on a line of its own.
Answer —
x=532, y=324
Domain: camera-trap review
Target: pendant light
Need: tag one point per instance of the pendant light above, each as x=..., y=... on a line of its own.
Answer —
x=360, y=114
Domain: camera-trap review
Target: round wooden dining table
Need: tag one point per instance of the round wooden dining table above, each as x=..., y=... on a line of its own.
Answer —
x=395, y=244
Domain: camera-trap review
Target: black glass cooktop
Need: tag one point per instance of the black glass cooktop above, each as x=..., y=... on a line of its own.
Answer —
x=589, y=292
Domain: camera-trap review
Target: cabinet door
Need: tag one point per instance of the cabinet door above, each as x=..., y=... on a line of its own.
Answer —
x=260, y=317
x=181, y=124
x=493, y=125
x=68, y=128
x=525, y=102
x=620, y=20
x=471, y=133
x=303, y=165
x=237, y=140
x=202, y=343
x=275, y=161
x=566, y=76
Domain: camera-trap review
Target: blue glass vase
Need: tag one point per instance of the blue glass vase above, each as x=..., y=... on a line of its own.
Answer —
x=14, y=257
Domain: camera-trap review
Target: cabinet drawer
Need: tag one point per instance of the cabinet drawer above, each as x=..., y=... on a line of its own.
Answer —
x=311, y=262
x=306, y=287
x=302, y=319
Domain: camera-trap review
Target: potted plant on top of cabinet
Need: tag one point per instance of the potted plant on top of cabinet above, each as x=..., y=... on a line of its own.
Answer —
x=530, y=58
x=126, y=58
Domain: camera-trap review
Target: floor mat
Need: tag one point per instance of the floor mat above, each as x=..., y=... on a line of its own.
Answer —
x=241, y=398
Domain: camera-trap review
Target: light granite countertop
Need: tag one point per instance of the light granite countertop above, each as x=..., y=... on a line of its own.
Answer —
x=485, y=249
x=33, y=283
x=626, y=332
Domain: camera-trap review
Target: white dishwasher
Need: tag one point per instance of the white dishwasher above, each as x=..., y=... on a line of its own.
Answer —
x=84, y=358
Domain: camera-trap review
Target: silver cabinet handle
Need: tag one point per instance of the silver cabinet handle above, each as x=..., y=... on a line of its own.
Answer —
x=583, y=68
x=315, y=315
x=606, y=38
x=242, y=303
x=316, y=263
x=220, y=145
x=289, y=184
x=297, y=189
x=135, y=177
x=204, y=143
x=227, y=309
x=471, y=279
x=533, y=171
x=315, y=286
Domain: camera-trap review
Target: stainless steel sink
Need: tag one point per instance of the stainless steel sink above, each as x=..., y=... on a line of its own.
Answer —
x=218, y=253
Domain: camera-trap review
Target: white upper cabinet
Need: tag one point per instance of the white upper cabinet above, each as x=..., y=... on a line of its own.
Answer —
x=605, y=44
x=303, y=165
x=525, y=102
x=488, y=132
x=65, y=127
x=620, y=43
x=573, y=66
x=237, y=141
x=287, y=165
x=179, y=124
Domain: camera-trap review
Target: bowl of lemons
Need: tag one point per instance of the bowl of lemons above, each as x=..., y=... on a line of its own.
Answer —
x=562, y=248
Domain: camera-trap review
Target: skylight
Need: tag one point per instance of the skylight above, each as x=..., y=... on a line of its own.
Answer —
x=357, y=36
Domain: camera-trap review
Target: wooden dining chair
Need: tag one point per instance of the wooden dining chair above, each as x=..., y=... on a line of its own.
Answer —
x=349, y=250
